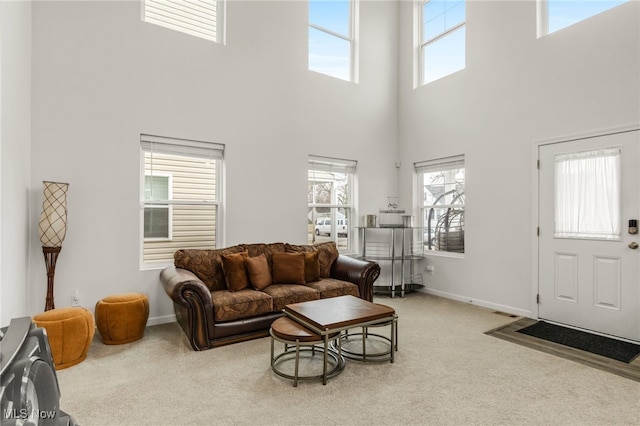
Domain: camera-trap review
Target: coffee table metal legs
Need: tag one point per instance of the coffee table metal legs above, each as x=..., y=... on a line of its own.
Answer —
x=368, y=338
x=294, y=349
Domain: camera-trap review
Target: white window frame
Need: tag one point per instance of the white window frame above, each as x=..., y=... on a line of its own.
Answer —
x=348, y=167
x=150, y=205
x=542, y=10
x=197, y=149
x=205, y=19
x=422, y=44
x=354, y=10
x=448, y=163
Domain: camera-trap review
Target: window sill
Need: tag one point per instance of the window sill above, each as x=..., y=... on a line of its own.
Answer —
x=449, y=254
x=155, y=266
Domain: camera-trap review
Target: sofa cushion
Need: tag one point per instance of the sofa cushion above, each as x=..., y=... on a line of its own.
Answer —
x=235, y=271
x=234, y=305
x=288, y=268
x=206, y=264
x=259, y=272
x=327, y=254
x=330, y=287
x=266, y=249
x=311, y=267
x=284, y=294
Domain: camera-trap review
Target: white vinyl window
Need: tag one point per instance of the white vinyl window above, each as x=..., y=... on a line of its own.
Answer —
x=554, y=15
x=587, y=195
x=331, y=201
x=441, y=203
x=157, y=217
x=442, y=49
x=200, y=18
x=332, y=49
x=180, y=193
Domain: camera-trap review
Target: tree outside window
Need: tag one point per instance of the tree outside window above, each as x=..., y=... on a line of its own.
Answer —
x=330, y=201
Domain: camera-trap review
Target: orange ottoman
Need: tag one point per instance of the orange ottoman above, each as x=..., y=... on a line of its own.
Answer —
x=121, y=318
x=70, y=332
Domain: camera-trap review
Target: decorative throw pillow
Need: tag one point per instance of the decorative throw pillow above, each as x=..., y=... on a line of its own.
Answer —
x=235, y=271
x=259, y=273
x=327, y=254
x=311, y=267
x=288, y=268
x=206, y=264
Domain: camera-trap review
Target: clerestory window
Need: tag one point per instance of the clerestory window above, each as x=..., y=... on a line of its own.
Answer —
x=332, y=35
x=442, y=49
x=554, y=15
x=200, y=18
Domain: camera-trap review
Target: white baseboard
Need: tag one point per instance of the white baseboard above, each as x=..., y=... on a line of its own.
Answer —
x=165, y=319
x=496, y=306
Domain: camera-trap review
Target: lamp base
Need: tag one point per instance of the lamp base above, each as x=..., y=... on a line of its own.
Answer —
x=50, y=259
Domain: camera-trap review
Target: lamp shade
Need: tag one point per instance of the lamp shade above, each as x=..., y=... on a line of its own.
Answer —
x=53, y=221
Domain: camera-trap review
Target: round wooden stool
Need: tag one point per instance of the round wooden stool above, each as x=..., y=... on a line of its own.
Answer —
x=300, y=340
x=121, y=318
x=70, y=332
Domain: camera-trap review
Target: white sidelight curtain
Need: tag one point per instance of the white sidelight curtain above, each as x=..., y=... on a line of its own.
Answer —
x=587, y=195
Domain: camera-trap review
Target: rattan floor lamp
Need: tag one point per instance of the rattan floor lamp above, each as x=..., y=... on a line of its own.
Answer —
x=52, y=228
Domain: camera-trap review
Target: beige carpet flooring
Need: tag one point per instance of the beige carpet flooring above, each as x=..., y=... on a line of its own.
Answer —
x=447, y=372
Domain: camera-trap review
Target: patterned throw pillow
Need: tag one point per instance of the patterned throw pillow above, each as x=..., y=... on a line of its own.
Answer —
x=327, y=254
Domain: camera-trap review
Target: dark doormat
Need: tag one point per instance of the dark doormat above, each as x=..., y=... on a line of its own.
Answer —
x=509, y=332
x=600, y=345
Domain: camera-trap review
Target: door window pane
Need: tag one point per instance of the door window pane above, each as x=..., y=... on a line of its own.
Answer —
x=587, y=195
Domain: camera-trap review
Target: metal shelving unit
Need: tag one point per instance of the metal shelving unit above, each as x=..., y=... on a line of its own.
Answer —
x=395, y=248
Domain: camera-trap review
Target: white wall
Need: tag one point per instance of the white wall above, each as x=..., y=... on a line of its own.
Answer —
x=516, y=89
x=101, y=77
x=15, y=149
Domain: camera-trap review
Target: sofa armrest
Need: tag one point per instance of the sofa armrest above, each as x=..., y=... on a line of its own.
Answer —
x=192, y=303
x=363, y=273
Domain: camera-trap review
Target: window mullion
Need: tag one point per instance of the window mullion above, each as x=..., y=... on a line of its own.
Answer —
x=442, y=35
x=333, y=33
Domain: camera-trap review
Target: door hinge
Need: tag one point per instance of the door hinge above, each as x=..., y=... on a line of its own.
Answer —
x=538, y=298
x=538, y=231
x=538, y=164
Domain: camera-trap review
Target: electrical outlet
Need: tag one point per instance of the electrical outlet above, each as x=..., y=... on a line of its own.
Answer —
x=76, y=299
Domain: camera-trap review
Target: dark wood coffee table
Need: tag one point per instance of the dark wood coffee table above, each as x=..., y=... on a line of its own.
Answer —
x=336, y=314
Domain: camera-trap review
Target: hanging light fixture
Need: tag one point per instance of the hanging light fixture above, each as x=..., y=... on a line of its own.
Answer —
x=52, y=228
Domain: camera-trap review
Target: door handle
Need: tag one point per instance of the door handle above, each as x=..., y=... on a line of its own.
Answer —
x=633, y=245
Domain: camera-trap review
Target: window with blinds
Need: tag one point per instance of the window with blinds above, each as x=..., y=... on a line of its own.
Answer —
x=180, y=196
x=200, y=18
x=441, y=186
x=331, y=200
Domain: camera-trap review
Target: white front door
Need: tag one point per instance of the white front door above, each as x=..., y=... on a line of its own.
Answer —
x=589, y=270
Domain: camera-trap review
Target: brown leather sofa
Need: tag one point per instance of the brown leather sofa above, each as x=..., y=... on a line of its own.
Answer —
x=212, y=311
